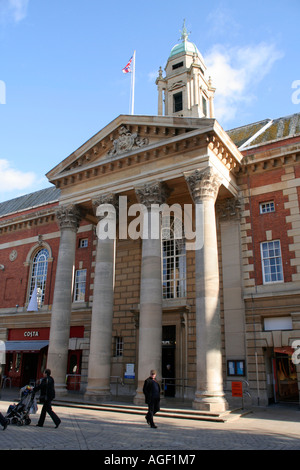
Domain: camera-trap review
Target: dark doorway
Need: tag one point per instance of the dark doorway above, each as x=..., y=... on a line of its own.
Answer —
x=168, y=360
x=29, y=369
x=286, y=384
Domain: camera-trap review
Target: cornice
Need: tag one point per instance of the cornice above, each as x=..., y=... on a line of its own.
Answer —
x=173, y=141
x=270, y=159
x=28, y=220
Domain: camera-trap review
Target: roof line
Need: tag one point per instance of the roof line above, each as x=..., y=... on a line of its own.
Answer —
x=258, y=133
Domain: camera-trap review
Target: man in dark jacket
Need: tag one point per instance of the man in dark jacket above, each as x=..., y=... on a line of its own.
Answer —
x=3, y=421
x=151, y=391
x=47, y=394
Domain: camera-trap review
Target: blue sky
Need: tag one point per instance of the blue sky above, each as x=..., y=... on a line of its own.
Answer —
x=61, y=64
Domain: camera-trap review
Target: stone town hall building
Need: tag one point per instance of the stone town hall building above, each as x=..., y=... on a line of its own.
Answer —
x=218, y=308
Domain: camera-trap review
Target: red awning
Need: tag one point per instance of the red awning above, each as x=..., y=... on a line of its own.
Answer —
x=285, y=350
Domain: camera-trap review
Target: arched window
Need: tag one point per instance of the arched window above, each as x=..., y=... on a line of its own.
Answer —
x=39, y=275
x=173, y=259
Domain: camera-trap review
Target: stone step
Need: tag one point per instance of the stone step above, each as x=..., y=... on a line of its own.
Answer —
x=178, y=413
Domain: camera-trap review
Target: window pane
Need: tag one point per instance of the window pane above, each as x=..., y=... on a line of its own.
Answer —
x=173, y=260
x=80, y=281
x=271, y=261
x=39, y=275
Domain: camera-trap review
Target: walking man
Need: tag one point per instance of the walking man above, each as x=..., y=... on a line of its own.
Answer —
x=151, y=391
x=47, y=394
x=3, y=421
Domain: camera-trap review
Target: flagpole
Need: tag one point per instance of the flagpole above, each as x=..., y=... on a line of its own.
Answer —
x=133, y=84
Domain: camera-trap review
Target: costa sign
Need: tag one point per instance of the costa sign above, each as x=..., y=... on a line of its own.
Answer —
x=42, y=334
x=31, y=334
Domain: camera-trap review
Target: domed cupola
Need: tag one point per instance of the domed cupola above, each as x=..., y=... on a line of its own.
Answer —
x=185, y=46
x=185, y=90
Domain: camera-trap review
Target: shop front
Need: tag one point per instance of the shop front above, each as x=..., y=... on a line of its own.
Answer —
x=285, y=375
x=26, y=355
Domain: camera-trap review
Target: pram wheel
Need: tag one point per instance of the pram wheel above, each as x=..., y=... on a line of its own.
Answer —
x=27, y=421
x=14, y=421
x=20, y=422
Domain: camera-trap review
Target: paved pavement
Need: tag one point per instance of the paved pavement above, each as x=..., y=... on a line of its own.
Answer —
x=273, y=428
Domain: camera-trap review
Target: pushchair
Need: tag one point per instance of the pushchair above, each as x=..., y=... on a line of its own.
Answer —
x=20, y=413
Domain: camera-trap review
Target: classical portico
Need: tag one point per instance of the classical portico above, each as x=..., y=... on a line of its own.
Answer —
x=182, y=158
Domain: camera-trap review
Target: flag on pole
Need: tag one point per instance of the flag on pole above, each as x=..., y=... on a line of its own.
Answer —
x=127, y=67
x=33, y=304
x=130, y=67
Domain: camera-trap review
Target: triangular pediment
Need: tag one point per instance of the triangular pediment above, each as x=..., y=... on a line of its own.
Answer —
x=127, y=135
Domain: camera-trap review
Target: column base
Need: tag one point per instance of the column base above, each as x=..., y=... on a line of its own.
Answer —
x=139, y=398
x=98, y=389
x=60, y=390
x=97, y=396
x=212, y=403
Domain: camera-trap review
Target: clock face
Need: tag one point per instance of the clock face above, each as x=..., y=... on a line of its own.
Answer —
x=13, y=255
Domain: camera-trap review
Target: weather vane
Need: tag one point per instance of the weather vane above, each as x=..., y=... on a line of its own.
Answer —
x=184, y=33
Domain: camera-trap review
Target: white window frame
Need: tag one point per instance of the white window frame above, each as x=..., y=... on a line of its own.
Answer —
x=173, y=259
x=80, y=285
x=271, y=262
x=83, y=243
x=266, y=207
x=39, y=275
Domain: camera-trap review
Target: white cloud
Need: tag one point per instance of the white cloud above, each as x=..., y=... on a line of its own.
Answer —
x=12, y=179
x=13, y=9
x=235, y=72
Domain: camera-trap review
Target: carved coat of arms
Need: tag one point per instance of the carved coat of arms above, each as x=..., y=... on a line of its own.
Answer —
x=126, y=142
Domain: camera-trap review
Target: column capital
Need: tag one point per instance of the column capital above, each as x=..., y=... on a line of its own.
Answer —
x=109, y=199
x=203, y=184
x=152, y=193
x=68, y=217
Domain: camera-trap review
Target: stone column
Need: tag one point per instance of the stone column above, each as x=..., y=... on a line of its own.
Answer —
x=150, y=321
x=204, y=186
x=68, y=218
x=98, y=387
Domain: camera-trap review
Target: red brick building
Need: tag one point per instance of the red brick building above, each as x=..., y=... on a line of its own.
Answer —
x=109, y=310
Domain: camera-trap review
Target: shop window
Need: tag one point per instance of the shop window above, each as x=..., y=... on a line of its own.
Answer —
x=271, y=262
x=173, y=259
x=39, y=275
x=18, y=362
x=80, y=283
x=286, y=376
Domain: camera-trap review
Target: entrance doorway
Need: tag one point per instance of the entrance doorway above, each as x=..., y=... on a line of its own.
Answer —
x=285, y=376
x=29, y=368
x=74, y=370
x=168, y=360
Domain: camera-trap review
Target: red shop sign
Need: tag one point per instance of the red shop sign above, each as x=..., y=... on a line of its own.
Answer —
x=28, y=334
x=31, y=334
